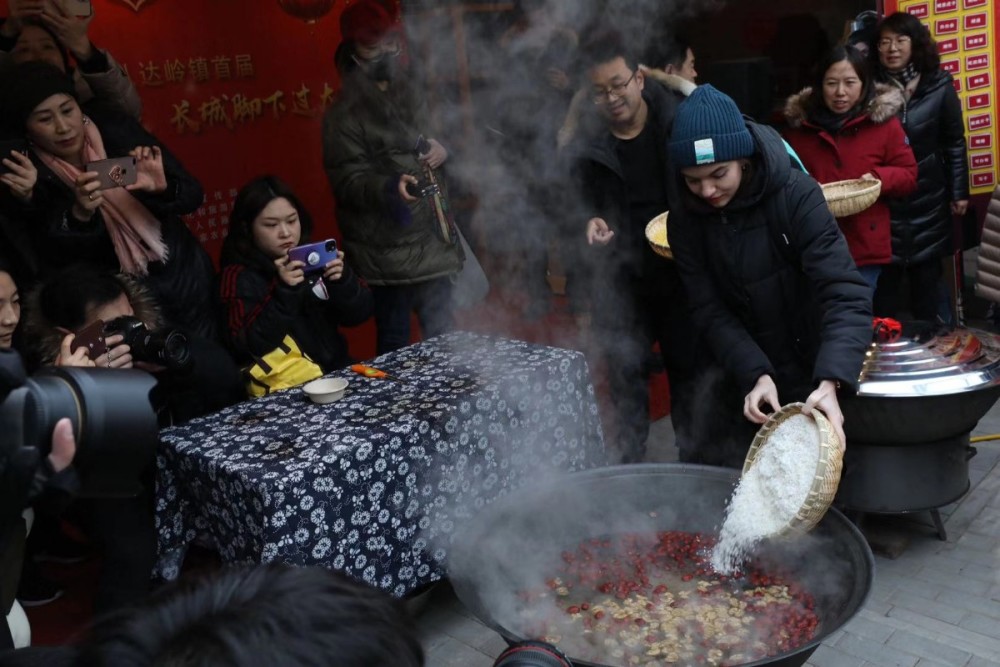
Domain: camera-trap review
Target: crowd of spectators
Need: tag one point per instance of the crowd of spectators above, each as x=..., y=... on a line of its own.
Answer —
x=737, y=310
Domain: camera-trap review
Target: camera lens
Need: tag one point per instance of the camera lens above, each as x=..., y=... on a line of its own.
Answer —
x=532, y=654
x=113, y=423
x=167, y=348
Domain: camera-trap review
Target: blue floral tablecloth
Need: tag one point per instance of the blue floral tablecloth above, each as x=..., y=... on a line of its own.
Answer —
x=374, y=483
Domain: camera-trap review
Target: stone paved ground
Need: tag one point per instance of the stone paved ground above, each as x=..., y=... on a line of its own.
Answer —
x=936, y=605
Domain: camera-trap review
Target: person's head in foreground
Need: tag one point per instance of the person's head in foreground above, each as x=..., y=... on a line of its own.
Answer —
x=267, y=615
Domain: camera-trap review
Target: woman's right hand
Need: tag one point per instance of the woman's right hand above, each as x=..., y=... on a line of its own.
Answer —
x=598, y=232
x=88, y=195
x=764, y=392
x=67, y=357
x=290, y=271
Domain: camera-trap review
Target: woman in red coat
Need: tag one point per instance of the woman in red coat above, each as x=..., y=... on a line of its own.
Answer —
x=848, y=131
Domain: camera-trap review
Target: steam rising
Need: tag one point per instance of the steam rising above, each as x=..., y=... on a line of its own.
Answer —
x=517, y=544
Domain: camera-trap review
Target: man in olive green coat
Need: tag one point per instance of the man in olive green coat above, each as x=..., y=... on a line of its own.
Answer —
x=378, y=163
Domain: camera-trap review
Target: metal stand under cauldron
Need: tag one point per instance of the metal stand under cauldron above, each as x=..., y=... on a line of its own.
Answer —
x=921, y=392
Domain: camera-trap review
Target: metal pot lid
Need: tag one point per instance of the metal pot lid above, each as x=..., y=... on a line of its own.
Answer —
x=919, y=359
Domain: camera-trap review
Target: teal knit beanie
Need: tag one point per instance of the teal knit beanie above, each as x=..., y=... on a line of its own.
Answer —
x=709, y=128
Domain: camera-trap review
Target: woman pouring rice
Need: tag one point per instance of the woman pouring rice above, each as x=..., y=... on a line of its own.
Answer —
x=772, y=284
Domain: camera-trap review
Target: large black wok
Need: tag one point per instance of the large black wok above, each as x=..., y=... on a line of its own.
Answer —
x=516, y=543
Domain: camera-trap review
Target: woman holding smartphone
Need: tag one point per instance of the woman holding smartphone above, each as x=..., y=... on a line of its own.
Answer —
x=75, y=208
x=268, y=298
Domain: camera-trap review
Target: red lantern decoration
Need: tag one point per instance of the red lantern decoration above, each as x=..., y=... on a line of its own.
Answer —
x=308, y=10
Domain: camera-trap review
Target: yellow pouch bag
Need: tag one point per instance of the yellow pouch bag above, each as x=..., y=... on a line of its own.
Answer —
x=283, y=367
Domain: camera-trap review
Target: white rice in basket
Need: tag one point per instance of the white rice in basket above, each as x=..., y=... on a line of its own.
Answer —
x=771, y=493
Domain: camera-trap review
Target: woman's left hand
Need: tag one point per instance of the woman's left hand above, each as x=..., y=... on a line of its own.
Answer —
x=150, y=176
x=959, y=207
x=21, y=175
x=334, y=269
x=824, y=399
x=67, y=357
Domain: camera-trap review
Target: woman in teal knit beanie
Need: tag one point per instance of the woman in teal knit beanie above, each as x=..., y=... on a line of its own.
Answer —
x=772, y=284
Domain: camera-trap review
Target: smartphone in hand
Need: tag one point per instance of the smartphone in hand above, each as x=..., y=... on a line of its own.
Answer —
x=78, y=8
x=92, y=338
x=8, y=146
x=314, y=256
x=116, y=172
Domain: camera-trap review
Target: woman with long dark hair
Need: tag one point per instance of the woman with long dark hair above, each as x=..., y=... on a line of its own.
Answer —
x=905, y=56
x=845, y=127
x=267, y=297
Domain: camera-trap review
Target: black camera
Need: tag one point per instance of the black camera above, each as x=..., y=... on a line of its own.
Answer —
x=422, y=189
x=113, y=423
x=166, y=347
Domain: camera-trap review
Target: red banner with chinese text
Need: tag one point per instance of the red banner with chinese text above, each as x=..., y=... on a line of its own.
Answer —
x=967, y=33
x=235, y=88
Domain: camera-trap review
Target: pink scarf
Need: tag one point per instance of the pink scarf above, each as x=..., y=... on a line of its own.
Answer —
x=134, y=231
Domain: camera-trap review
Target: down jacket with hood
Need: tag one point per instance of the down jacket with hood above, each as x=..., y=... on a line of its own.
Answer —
x=932, y=119
x=799, y=313
x=873, y=142
x=368, y=143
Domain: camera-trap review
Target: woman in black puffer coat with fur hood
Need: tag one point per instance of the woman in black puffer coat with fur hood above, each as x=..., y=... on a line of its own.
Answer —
x=907, y=58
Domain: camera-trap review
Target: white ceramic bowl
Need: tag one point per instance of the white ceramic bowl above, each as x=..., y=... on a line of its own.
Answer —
x=325, y=390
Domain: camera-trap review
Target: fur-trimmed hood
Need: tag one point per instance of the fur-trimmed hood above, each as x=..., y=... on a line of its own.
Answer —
x=44, y=338
x=886, y=103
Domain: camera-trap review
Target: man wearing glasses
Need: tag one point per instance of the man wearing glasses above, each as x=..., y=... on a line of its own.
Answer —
x=636, y=298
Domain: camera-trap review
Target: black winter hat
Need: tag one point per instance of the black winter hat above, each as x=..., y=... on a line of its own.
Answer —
x=28, y=85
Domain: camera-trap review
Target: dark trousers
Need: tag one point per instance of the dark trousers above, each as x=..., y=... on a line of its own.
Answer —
x=393, y=305
x=921, y=298
x=628, y=319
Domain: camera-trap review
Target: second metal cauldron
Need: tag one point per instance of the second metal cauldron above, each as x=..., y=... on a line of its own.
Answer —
x=920, y=394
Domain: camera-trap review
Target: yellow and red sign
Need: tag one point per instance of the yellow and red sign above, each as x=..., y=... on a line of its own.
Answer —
x=967, y=34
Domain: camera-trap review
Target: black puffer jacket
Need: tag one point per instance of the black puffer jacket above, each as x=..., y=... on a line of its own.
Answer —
x=184, y=285
x=800, y=311
x=261, y=310
x=932, y=118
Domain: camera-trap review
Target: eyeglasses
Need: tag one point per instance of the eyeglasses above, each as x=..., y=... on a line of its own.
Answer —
x=616, y=90
x=886, y=44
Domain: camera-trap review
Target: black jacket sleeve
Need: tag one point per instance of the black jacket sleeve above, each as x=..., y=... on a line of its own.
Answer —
x=844, y=297
x=952, y=142
x=351, y=302
x=729, y=339
x=259, y=311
